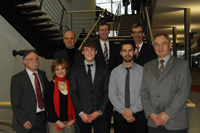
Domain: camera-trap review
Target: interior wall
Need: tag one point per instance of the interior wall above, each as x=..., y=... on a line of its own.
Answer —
x=11, y=40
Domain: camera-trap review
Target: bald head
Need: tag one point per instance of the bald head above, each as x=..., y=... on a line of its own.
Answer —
x=69, y=39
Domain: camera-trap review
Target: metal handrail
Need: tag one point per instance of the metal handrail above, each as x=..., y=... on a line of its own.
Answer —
x=86, y=38
x=83, y=11
x=149, y=24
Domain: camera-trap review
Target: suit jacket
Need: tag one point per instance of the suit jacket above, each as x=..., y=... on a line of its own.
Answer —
x=146, y=54
x=168, y=92
x=114, y=59
x=62, y=54
x=85, y=97
x=24, y=100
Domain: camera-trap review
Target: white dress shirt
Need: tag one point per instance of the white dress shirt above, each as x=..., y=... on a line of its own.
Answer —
x=32, y=78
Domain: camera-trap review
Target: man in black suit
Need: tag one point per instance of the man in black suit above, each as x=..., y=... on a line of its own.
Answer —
x=108, y=54
x=70, y=53
x=143, y=51
x=27, y=89
x=89, y=91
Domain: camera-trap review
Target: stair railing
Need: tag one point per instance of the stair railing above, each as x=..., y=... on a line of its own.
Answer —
x=56, y=11
x=88, y=35
x=116, y=18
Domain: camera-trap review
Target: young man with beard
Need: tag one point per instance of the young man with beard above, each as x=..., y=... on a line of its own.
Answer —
x=124, y=94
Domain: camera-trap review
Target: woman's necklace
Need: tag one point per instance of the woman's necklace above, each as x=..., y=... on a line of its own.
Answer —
x=62, y=84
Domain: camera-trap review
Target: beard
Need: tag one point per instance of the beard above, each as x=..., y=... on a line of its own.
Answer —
x=127, y=60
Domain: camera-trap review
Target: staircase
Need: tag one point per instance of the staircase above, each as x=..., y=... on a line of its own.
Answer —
x=31, y=23
x=126, y=22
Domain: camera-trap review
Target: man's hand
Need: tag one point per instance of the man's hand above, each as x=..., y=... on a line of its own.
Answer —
x=27, y=125
x=131, y=119
x=128, y=113
x=85, y=118
x=94, y=115
x=155, y=119
x=69, y=124
x=60, y=124
x=163, y=117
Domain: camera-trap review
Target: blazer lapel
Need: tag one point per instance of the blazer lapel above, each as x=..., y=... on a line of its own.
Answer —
x=42, y=82
x=155, y=69
x=29, y=84
x=97, y=73
x=83, y=73
x=167, y=68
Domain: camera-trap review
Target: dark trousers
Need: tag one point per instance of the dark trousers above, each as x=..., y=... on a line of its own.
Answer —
x=138, y=126
x=164, y=130
x=109, y=113
x=100, y=125
x=39, y=125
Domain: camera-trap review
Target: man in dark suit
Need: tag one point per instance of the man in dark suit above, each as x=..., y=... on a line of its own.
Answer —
x=27, y=89
x=70, y=53
x=143, y=51
x=165, y=89
x=108, y=54
x=89, y=91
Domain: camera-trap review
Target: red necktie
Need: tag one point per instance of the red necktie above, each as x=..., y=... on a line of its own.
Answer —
x=137, y=50
x=38, y=92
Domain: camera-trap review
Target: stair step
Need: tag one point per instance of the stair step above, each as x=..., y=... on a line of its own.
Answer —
x=34, y=14
x=28, y=8
x=44, y=26
x=39, y=20
x=46, y=32
x=52, y=36
x=17, y=2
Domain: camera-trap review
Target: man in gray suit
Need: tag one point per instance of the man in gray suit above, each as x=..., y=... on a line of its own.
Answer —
x=165, y=89
x=27, y=89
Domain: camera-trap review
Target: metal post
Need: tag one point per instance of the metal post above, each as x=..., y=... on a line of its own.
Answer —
x=71, y=22
x=41, y=3
x=61, y=21
x=187, y=28
x=174, y=41
x=111, y=6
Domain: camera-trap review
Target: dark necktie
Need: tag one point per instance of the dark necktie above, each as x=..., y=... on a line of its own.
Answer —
x=105, y=53
x=38, y=92
x=161, y=67
x=127, y=89
x=90, y=73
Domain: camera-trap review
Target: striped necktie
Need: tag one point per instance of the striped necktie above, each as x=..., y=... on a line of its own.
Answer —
x=161, y=67
x=106, y=54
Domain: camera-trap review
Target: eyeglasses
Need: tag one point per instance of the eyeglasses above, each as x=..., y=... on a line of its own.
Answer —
x=31, y=59
x=104, y=30
x=139, y=32
x=156, y=44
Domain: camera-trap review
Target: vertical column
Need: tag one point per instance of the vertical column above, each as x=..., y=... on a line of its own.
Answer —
x=174, y=30
x=187, y=28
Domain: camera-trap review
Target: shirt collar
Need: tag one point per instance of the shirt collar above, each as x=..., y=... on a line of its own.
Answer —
x=132, y=66
x=30, y=73
x=102, y=42
x=140, y=45
x=86, y=63
x=166, y=59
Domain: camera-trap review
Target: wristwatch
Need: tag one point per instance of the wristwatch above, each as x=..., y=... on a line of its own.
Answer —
x=100, y=112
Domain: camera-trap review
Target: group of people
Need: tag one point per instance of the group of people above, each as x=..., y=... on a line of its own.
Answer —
x=147, y=87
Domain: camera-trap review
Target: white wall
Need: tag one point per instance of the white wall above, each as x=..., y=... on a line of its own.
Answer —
x=11, y=40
